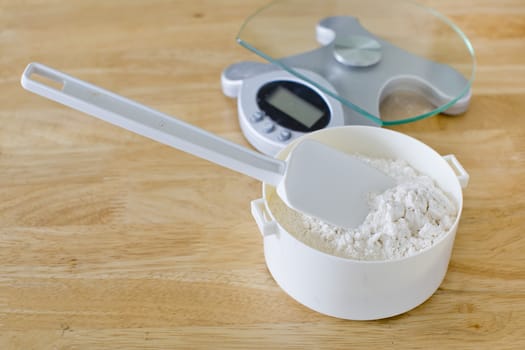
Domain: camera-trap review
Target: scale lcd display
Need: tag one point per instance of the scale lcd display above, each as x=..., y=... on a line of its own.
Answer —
x=297, y=108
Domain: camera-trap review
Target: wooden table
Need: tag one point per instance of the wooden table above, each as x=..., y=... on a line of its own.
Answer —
x=110, y=240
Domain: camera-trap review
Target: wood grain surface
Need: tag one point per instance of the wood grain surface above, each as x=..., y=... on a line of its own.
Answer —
x=109, y=240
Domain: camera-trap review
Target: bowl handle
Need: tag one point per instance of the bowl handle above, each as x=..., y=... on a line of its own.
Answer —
x=267, y=227
x=462, y=175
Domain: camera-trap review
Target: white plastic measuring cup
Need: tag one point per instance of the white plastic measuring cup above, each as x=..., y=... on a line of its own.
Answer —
x=315, y=179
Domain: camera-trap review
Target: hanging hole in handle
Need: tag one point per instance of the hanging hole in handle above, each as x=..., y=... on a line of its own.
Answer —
x=48, y=81
x=40, y=74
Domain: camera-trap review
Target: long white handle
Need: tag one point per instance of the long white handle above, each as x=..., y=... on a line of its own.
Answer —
x=150, y=123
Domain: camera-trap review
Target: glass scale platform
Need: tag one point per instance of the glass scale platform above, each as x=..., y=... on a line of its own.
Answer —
x=385, y=62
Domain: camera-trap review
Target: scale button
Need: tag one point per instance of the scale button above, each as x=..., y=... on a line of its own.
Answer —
x=284, y=135
x=268, y=127
x=257, y=116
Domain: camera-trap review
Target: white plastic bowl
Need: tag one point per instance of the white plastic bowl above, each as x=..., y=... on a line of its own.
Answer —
x=353, y=289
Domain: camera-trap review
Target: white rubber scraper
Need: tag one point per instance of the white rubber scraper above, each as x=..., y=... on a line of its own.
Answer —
x=315, y=179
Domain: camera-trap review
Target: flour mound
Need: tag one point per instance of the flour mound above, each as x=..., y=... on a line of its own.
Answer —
x=402, y=221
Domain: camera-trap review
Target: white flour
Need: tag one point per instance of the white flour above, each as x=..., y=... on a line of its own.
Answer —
x=402, y=220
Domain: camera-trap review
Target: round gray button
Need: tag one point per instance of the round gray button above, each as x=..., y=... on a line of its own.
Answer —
x=284, y=135
x=257, y=116
x=268, y=126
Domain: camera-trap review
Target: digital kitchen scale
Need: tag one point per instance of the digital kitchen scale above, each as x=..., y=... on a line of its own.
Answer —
x=340, y=62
